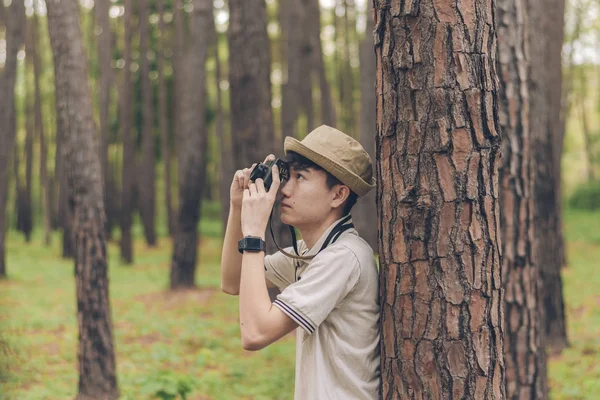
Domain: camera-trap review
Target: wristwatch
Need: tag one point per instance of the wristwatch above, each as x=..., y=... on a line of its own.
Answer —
x=252, y=244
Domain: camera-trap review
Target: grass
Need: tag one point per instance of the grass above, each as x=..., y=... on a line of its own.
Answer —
x=189, y=341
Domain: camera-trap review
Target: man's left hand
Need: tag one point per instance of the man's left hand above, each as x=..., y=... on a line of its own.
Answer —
x=257, y=204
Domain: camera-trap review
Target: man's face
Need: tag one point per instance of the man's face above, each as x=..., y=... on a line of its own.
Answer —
x=305, y=197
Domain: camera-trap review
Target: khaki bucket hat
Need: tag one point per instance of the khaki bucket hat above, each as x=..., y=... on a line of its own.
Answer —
x=338, y=154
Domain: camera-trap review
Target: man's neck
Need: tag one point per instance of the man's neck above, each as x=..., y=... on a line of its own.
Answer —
x=311, y=234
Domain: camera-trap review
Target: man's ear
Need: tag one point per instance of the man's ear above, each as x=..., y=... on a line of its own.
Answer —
x=341, y=194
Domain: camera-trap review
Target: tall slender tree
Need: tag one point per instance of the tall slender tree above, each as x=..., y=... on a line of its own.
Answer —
x=192, y=148
x=547, y=242
x=97, y=372
x=14, y=39
x=438, y=149
x=365, y=211
x=128, y=164
x=147, y=173
x=523, y=344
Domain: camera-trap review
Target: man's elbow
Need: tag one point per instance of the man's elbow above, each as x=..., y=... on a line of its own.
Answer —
x=253, y=343
x=230, y=290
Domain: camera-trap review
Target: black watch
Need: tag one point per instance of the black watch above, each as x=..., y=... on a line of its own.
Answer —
x=253, y=244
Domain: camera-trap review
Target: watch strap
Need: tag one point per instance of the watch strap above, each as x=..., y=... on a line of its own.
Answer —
x=252, y=244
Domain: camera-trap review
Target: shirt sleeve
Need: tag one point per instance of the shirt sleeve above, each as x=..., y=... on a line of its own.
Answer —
x=279, y=269
x=329, y=278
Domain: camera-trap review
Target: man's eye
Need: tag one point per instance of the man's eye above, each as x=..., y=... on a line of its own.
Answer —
x=298, y=176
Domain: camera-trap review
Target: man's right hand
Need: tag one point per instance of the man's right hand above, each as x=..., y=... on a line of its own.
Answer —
x=241, y=180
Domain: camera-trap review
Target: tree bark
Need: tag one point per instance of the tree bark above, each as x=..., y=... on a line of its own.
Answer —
x=147, y=180
x=39, y=128
x=25, y=201
x=546, y=245
x=365, y=212
x=106, y=79
x=250, y=94
x=163, y=118
x=15, y=37
x=193, y=145
x=523, y=345
x=438, y=149
x=97, y=372
x=291, y=17
x=313, y=12
x=128, y=164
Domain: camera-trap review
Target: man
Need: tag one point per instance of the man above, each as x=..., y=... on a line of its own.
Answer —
x=330, y=288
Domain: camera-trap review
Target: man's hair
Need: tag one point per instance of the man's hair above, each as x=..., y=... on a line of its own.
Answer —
x=298, y=161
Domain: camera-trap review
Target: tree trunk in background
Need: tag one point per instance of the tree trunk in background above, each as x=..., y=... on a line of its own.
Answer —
x=65, y=214
x=15, y=37
x=291, y=17
x=163, y=117
x=39, y=128
x=227, y=169
x=438, y=149
x=546, y=245
x=147, y=179
x=523, y=345
x=194, y=141
x=128, y=164
x=313, y=13
x=587, y=137
x=348, y=89
x=25, y=203
x=250, y=95
x=365, y=212
x=97, y=372
x=105, y=79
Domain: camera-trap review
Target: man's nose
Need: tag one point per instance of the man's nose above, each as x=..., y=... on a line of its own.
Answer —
x=285, y=188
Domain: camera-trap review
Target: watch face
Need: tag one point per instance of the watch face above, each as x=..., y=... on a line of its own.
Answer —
x=253, y=243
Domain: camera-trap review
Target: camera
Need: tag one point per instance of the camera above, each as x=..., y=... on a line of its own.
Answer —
x=264, y=171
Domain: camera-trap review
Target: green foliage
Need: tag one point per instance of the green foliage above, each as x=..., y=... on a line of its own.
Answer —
x=168, y=385
x=586, y=197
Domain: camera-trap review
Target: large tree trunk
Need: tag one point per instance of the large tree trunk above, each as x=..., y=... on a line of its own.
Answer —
x=97, y=372
x=547, y=242
x=194, y=140
x=15, y=37
x=39, y=128
x=106, y=78
x=128, y=164
x=365, y=212
x=25, y=203
x=146, y=198
x=250, y=94
x=523, y=345
x=163, y=118
x=438, y=150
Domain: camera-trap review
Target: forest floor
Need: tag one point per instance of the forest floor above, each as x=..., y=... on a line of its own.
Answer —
x=189, y=340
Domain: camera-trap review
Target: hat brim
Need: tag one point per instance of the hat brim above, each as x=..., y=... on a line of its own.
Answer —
x=347, y=177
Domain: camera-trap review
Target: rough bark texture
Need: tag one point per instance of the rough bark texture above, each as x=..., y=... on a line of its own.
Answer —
x=15, y=37
x=97, y=373
x=162, y=118
x=250, y=94
x=147, y=191
x=128, y=164
x=364, y=213
x=523, y=349
x=193, y=143
x=438, y=149
x=546, y=245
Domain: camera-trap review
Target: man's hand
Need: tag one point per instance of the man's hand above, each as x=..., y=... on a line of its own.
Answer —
x=241, y=181
x=257, y=205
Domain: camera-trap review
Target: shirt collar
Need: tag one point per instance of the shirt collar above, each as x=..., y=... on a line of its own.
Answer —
x=317, y=246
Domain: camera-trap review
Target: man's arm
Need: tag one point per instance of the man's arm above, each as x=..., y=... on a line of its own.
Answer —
x=231, y=259
x=261, y=323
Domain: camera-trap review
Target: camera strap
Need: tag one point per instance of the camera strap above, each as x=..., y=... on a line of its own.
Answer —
x=335, y=233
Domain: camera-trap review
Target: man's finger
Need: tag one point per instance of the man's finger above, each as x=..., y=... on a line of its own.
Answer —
x=253, y=189
x=269, y=157
x=260, y=185
x=276, y=180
